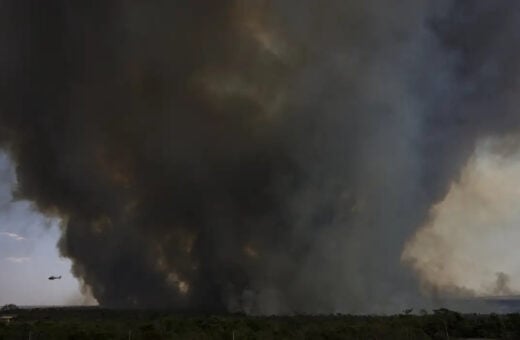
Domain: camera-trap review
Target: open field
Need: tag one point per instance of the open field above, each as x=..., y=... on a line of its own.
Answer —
x=98, y=323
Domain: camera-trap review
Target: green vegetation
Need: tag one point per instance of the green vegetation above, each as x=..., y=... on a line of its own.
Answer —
x=98, y=323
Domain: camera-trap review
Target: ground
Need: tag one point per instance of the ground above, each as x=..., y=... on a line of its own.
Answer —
x=100, y=323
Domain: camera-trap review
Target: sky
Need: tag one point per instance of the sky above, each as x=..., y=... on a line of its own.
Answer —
x=28, y=252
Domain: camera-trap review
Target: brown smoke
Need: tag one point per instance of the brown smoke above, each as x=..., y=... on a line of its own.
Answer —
x=260, y=156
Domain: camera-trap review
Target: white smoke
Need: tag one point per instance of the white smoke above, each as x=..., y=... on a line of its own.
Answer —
x=469, y=245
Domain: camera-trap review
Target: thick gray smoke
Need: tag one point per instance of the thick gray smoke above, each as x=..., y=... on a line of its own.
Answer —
x=258, y=156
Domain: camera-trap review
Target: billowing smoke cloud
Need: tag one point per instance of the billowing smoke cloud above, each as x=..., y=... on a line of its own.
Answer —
x=468, y=244
x=262, y=156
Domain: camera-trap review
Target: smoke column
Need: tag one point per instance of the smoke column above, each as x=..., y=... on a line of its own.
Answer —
x=257, y=156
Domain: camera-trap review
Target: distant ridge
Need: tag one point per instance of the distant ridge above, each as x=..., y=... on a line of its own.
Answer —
x=58, y=306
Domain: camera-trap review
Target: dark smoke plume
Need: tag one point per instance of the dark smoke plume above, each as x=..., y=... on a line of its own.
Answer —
x=258, y=156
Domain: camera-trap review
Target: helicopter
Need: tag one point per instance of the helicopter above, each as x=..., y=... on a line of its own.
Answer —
x=55, y=277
